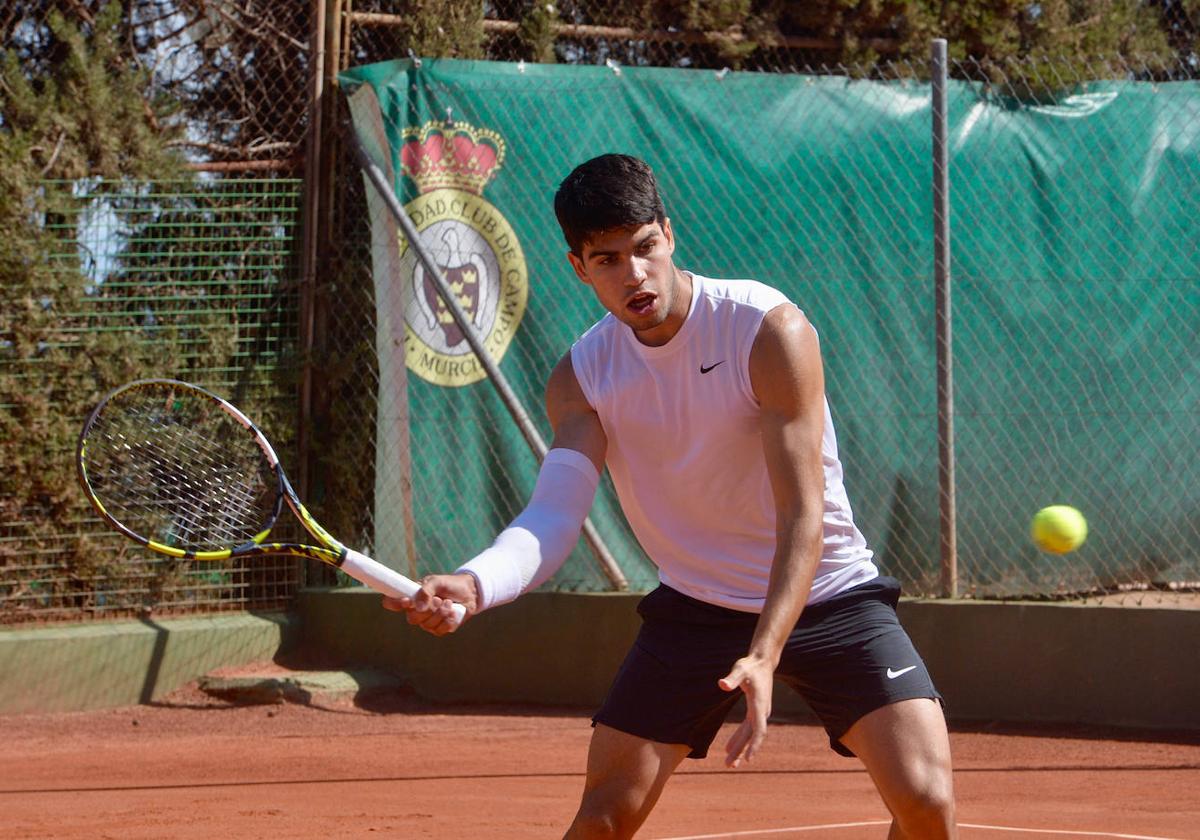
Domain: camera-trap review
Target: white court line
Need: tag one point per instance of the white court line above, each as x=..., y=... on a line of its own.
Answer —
x=762, y=831
x=1066, y=833
x=799, y=828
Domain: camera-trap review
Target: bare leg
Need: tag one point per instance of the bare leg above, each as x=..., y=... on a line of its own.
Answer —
x=906, y=749
x=625, y=775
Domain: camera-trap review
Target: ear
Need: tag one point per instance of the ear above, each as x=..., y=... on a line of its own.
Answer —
x=669, y=234
x=577, y=264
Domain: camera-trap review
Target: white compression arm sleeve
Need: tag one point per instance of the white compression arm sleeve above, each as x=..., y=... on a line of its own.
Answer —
x=536, y=544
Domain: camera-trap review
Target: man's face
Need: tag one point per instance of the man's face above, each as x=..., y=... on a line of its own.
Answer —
x=631, y=271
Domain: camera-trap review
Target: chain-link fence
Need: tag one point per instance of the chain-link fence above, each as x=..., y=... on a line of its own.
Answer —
x=1074, y=268
x=1075, y=296
x=1077, y=300
x=193, y=280
x=782, y=38
x=236, y=75
x=151, y=195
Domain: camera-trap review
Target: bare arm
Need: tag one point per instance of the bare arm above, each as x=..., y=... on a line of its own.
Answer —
x=576, y=424
x=787, y=377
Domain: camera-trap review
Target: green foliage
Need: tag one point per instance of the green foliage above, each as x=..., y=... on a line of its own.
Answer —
x=1181, y=23
x=445, y=28
x=537, y=33
x=91, y=117
x=752, y=34
x=707, y=15
x=636, y=14
x=865, y=32
x=343, y=494
x=997, y=30
x=989, y=32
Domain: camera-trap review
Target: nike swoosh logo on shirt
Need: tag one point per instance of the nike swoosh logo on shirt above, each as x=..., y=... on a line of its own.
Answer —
x=891, y=675
x=704, y=369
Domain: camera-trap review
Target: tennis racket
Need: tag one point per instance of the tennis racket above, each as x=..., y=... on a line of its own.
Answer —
x=187, y=474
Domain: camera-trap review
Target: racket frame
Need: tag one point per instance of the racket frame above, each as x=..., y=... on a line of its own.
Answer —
x=329, y=551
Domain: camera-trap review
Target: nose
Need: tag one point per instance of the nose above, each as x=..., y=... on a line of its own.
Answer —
x=637, y=272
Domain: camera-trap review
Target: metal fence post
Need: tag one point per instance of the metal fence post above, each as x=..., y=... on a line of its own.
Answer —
x=309, y=249
x=943, y=325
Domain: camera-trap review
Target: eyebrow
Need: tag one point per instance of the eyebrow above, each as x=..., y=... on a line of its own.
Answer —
x=604, y=253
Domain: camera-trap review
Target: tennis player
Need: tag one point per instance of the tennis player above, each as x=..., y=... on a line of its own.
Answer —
x=706, y=400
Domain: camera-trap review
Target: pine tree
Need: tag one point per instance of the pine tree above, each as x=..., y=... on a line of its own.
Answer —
x=87, y=123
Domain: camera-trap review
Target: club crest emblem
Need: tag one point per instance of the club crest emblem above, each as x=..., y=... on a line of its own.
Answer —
x=472, y=243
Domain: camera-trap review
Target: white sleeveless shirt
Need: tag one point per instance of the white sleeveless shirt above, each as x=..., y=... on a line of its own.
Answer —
x=685, y=451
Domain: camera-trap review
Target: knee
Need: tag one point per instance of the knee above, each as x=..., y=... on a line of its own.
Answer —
x=603, y=818
x=595, y=826
x=926, y=809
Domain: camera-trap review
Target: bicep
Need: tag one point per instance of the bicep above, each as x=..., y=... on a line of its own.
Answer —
x=788, y=381
x=576, y=424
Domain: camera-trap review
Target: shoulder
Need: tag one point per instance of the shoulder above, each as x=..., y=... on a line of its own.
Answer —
x=592, y=351
x=750, y=293
x=786, y=355
x=785, y=331
x=563, y=391
x=597, y=335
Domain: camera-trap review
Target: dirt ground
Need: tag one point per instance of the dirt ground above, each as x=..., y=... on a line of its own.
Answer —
x=195, y=767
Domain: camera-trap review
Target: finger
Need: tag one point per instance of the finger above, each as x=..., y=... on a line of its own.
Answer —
x=441, y=621
x=445, y=608
x=416, y=617
x=756, y=741
x=733, y=680
x=424, y=597
x=757, y=712
x=420, y=609
x=439, y=616
x=746, y=741
x=736, y=744
x=430, y=622
x=396, y=604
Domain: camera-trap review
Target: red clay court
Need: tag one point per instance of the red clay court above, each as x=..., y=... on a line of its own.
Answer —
x=196, y=768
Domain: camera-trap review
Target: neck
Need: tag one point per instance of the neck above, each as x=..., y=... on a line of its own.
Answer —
x=677, y=312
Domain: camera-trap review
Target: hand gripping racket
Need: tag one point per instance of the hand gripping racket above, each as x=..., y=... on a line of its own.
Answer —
x=185, y=473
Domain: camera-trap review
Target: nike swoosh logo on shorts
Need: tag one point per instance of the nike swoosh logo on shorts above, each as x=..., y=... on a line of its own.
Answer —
x=893, y=674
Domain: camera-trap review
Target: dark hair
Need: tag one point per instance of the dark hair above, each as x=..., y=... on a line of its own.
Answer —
x=606, y=192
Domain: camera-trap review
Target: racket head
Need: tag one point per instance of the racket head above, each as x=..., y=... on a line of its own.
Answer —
x=180, y=470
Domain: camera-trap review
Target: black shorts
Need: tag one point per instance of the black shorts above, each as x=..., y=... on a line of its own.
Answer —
x=847, y=656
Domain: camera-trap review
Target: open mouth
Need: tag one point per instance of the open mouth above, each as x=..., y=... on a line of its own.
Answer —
x=642, y=302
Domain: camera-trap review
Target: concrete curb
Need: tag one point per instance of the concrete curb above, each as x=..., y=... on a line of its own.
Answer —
x=302, y=687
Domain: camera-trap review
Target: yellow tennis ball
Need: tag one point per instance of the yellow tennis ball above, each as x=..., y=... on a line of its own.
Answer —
x=1058, y=529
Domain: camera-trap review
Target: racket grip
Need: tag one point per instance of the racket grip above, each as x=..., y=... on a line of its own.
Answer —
x=382, y=579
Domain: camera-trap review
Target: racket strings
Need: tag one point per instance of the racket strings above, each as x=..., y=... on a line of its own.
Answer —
x=174, y=467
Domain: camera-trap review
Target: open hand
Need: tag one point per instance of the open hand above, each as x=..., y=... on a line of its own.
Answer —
x=756, y=678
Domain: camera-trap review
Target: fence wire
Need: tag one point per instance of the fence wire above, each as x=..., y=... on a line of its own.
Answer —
x=236, y=73
x=645, y=34
x=1076, y=317
x=1074, y=356
x=193, y=280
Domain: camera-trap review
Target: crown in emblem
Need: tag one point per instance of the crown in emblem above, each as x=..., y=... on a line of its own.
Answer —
x=451, y=155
